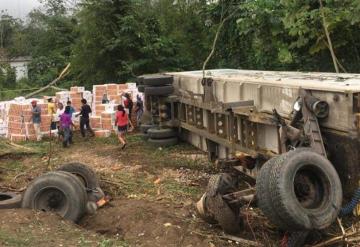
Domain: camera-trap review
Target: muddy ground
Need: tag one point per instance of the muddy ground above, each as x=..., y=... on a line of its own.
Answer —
x=153, y=194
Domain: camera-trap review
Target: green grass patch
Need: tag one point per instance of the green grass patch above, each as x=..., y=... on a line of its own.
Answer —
x=177, y=190
x=18, y=240
x=12, y=164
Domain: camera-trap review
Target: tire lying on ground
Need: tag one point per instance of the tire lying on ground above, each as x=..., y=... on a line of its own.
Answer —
x=202, y=210
x=157, y=80
x=222, y=183
x=87, y=177
x=157, y=133
x=59, y=192
x=159, y=91
x=145, y=127
x=164, y=142
x=305, y=191
x=10, y=200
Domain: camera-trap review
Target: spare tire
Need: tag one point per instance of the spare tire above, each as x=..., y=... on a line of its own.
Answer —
x=88, y=178
x=10, y=200
x=157, y=80
x=59, y=192
x=163, y=142
x=159, y=91
x=305, y=191
x=157, y=133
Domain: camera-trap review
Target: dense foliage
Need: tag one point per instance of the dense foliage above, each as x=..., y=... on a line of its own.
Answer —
x=116, y=40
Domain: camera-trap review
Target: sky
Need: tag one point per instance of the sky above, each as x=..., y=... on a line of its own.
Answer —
x=18, y=8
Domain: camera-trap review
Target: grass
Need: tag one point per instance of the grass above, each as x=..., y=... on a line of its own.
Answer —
x=24, y=236
x=112, y=243
x=132, y=184
x=177, y=190
x=18, y=240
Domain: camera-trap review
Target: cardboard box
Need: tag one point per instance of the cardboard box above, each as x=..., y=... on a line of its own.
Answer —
x=18, y=137
x=102, y=133
x=95, y=122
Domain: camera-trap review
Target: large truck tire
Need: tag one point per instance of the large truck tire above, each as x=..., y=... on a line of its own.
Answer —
x=157, y=133
x=202, y=210
x=159, y=91
x=227, y=217
x=59, y=192
x=222, y=183
x=9, y=200
x=164, y=142
x=263, y=195
x=305, y=191
x=157, y=80
x=88, y=178
x=145, y=127
x=229, y=220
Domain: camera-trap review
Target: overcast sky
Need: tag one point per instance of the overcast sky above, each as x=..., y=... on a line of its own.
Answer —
x=18, y=8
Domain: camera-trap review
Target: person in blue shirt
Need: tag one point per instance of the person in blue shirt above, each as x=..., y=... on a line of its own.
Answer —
x=72, y=110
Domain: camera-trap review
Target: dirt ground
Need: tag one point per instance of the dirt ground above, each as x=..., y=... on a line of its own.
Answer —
x=153, y=194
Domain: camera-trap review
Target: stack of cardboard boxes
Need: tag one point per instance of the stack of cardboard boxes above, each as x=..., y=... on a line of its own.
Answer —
x=20, y=126
x=15, y=115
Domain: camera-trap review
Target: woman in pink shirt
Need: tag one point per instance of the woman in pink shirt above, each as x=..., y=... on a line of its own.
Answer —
x=122, y=122
x=65, y=126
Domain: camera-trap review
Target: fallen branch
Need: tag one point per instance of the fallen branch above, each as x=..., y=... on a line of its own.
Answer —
x=58, y=88
x=20, y=174
x=342, y=228
x=243, y=241
x=12, y=189
x=19, y=146
x=339, y=239
x=62, y=74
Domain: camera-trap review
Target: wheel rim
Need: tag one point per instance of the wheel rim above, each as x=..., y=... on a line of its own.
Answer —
x=51, y=199
x=310, y=187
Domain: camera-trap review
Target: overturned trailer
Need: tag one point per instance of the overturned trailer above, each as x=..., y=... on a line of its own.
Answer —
x=295, y=135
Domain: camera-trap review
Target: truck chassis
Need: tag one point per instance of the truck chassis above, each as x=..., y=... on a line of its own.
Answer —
x=244, y=119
